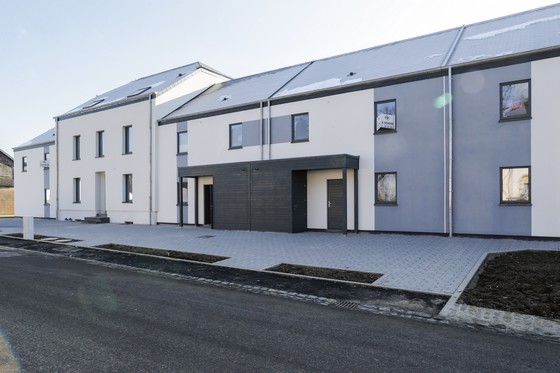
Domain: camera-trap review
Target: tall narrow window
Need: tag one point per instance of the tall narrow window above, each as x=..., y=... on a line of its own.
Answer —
x=77, y=190
x=182, y=138
x=300, y=127
x=127, y=188
x=515, y=185
x=76, y=142
x=385, y=116
x=127, y=139
x=183, y=188
x=100, y=139
x=386, y=188
x=23, y=164
x=47, y=196
x=236, y=136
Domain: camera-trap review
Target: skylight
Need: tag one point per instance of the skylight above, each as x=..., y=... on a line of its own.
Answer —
x=139, y=91
x=92, y=104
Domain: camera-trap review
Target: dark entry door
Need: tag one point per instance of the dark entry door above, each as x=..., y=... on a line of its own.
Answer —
x=335, y=204
x=209, y=204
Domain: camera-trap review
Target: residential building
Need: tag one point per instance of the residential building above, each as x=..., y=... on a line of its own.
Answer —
x=6, y=184
x=447, y=133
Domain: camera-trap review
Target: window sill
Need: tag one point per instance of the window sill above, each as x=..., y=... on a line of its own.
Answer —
x=516, y=204
x=505, y=120
x=99, y=156
x=77, y=203
x=127, y=153
x=185, y=153
x=296, y=141
x=385, y=204
x=235, y=147
x=126, y=201
x=76, y=159
x=384, y=132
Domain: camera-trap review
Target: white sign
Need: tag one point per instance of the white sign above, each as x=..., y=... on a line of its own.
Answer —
x=386, y=121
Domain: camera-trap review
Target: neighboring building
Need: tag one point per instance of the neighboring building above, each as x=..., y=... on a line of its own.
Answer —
x=6, y=184
x=362, y=141
x=35, y=176
x=452, y=132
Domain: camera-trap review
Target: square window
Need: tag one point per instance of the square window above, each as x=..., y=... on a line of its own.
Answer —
x=515, y=100
x=127, y=140
x=100, y=139
x=76, y=148
x=23, y=164
x=300, y=127
x=127, y=188
x=515, y=185
x=386, y=188
x=77, y=190
x=236, y=136
x=386, y=116
x=182, y=141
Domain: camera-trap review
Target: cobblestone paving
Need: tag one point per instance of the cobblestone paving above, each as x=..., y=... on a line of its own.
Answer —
x=418, y=263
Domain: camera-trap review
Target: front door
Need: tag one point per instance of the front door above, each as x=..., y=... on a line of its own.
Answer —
x=100, y=196
x=209, y=204
x=335, y=204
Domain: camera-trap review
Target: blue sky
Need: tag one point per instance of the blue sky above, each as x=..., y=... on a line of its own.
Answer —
x=57, y=54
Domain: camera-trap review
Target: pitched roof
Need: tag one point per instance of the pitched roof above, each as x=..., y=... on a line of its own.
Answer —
x=504, y=37
x=45, y=138
x=140, y=88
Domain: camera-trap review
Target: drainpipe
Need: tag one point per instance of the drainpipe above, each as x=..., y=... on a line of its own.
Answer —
x=269, y=134
x=261, y=131
x=450, y=161
x=150, y=198
x=57, y=169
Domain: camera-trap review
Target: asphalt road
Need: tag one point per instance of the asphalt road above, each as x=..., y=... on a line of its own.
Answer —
x=63, y=315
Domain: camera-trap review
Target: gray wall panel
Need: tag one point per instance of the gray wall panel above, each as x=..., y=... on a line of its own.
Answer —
x=416, y=152
x=281, y=129
x=251, y=132
x=481, y=146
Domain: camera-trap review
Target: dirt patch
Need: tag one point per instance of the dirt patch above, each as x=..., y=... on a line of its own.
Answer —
x=330, y=273
x=195, y=257
x=526, y=282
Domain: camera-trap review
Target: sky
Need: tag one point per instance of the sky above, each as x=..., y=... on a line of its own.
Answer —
x=57, y=54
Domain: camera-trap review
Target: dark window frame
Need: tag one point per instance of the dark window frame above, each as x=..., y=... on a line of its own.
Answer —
x=76, y=156
x=24, y=163
x=515, y=203
x=127, y=139
x=230, y=136
x=386, y=203
x=128, y=192
x=294, y=140
x=529, y=99
x=179, y=152
x=376, y=110
x=100, y=144
x=77, y=192
x=46, y=191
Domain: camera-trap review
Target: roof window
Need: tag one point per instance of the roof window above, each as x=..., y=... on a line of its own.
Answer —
x=139, y=91
x=92, y=104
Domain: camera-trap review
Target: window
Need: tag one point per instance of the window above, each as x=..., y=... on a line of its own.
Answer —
x=127, y=140
x=47, y=196
x=100, y=139
x=386, y=188
x=77, y=190
x=23, y=164
x=182, y=138
x=184, y=189
x=386, y=116
x=515, y=100
x=76, y=151
x=236, y=136
x=515, y=185
x=127, y=188
x=300, y=127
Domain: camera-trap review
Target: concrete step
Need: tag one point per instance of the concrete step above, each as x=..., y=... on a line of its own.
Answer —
x=96, y=220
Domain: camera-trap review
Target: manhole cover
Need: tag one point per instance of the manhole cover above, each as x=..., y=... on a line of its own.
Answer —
x=349, y=305
x=205, y=236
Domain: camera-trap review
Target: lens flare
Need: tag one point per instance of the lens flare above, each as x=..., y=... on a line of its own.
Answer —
x=8, y=360
x=443, y=100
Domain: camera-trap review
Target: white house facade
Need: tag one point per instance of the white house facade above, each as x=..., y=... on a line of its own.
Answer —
x=449, y=133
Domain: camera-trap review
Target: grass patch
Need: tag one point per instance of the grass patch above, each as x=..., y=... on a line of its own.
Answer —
x=526, y=282
x=329, y=273
x=195, y=257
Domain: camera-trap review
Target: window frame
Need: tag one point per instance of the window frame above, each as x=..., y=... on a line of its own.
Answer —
x=127, y=139
x=386, y=203
x=100, y=144
x=501, y=101
x=517, y=202
x=77, y=190
x=231, y=126
x=76, y=148
x=46, y=196
x=24, y=163
x=294, y=140
x=179, y=152
x=376, y=105
x=128, y=196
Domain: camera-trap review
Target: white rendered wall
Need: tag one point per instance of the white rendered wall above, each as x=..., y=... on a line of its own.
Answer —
x=115, y=164
x=29, y=185
x=166, y=174
x=545, y=149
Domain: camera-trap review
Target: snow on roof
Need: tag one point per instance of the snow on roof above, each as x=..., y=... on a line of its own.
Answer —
x=43, y=139
x=141, y=87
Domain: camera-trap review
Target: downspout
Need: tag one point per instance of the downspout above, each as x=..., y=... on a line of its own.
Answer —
x=450, y=160
x=57, y=170
x=269, y=131
x=150, y=198
x=261, y=131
